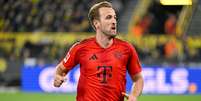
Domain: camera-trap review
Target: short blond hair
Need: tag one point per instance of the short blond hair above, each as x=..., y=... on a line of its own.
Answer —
x=94, y=11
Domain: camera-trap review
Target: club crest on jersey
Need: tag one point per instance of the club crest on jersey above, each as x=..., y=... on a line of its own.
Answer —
x=118, y=55
x=93, y=57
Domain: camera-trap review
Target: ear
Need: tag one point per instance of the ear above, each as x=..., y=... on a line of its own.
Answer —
x=96, y=23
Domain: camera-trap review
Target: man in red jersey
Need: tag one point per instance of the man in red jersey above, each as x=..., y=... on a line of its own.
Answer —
x=103, y=61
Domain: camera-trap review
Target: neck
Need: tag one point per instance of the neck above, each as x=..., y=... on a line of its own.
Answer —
x=104, y=40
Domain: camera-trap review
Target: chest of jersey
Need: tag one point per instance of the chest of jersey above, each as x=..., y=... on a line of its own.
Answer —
x=99, y=57
x=104, y=63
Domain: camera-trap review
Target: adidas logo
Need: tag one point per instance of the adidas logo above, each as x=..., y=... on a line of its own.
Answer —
x=93, y=57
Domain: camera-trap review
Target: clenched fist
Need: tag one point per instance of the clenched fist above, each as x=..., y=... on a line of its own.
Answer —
x=58, y=80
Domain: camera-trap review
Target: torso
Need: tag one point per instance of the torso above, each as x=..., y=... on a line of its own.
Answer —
x=103, y=70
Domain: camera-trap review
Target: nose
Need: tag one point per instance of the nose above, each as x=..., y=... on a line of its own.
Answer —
x=114, y=21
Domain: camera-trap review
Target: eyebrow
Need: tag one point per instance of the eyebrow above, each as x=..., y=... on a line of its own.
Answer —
x=111, y=15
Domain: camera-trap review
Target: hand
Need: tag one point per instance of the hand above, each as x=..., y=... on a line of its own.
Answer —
x=58, y=80
x=132, y=98
x=125, y=95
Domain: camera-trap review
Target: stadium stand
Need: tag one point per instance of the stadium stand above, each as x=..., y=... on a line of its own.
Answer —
x=126, y=16
x=47, y=15
x=194, y=27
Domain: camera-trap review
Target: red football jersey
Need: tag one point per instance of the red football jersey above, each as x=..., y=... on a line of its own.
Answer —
x=102, y=70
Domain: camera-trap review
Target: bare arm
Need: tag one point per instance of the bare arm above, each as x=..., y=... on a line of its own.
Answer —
x=137, y=87
x=60, y=74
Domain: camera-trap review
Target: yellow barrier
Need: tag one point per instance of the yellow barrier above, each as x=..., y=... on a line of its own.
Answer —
x=8, y=41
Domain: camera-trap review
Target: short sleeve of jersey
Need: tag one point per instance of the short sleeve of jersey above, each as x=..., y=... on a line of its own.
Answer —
x=70, y=59
x=134, y=65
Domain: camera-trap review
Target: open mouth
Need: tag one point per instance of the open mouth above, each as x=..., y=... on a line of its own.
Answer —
x=113, y=28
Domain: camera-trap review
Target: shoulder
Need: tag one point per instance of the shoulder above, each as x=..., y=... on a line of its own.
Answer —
x=126, y=45
x=82, y=43
x=123, y=43
x=87, y=40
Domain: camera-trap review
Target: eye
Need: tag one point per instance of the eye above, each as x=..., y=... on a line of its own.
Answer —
x=108, y=17
x=115, y=17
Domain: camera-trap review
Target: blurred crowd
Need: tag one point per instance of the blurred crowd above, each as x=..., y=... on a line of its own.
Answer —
x=162, y=20
x=173, y=51
x=44, y=16
x=48, y=15
x=159, y=19
x=71, y=16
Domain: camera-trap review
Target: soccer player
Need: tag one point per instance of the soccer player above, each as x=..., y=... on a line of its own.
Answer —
x=103, y=61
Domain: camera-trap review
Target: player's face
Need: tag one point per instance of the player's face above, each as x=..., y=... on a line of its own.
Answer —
x=108, y=22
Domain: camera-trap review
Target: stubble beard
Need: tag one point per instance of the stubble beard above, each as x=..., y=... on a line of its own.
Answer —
x=109, y=35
